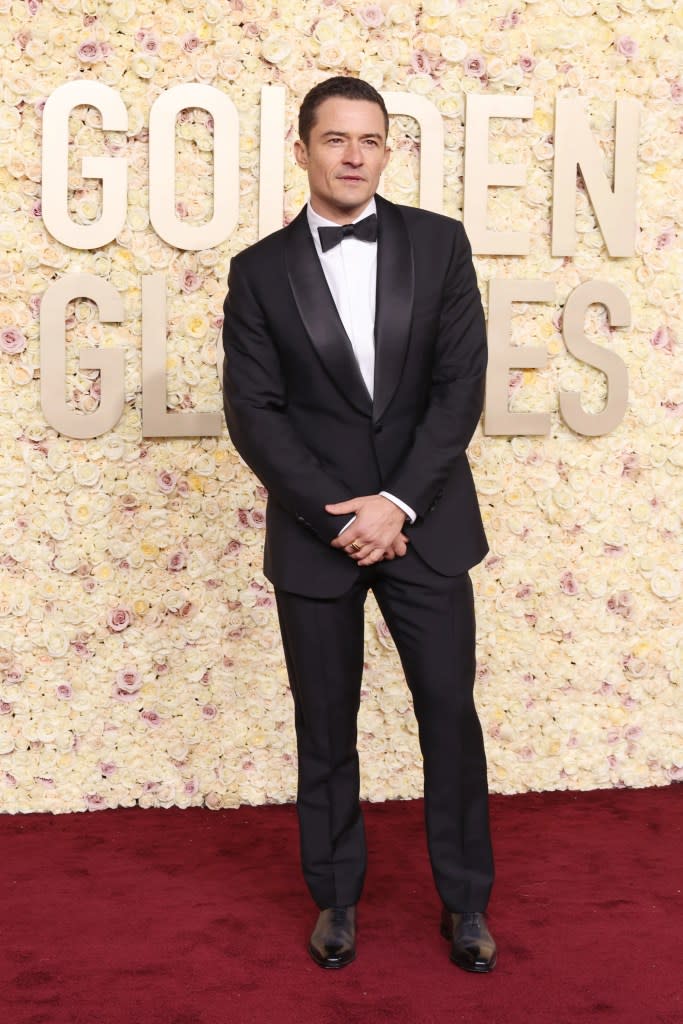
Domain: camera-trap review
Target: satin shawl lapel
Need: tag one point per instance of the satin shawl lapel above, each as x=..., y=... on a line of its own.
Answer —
x=319, y=314
x=395, y=293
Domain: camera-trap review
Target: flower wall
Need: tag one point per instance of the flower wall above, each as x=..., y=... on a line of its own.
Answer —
x=140, y=659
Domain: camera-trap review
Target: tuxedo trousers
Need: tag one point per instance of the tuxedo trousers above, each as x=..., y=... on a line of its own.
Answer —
x=431, y=620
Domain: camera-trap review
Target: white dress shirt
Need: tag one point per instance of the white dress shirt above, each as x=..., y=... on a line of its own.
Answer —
x=350, y=269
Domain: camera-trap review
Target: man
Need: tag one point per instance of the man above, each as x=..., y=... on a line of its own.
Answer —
x=355, y=358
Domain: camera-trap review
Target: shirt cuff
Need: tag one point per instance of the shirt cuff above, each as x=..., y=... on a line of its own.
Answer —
x=401, y=504
x=344, y=526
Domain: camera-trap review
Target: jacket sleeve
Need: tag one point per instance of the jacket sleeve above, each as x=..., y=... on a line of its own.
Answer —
x=255, y=403
x=456, y=392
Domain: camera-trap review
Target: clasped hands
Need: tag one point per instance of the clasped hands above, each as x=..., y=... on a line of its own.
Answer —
x=376, y=532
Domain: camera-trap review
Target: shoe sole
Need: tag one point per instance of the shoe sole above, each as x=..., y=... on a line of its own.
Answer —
x=327, y=965
x=475, y=968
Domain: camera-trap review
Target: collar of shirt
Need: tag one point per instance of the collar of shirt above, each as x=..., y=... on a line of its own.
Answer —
x=315, y=221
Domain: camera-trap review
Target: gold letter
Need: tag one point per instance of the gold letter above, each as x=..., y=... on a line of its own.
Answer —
x=480, y=174
x=615, y=209
x=226, y=184
x=614, y=368
x=156, y=420
x=112, y=170
x=503, y=356
x=108, y=361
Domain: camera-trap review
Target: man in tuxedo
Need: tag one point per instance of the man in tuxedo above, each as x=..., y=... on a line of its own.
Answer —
x=355, y=353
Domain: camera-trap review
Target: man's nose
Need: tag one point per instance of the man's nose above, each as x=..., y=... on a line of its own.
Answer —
x=353, y=154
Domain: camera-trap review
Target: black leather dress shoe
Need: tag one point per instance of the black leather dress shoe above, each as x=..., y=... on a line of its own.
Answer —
x=333, y=942
x=473, y=947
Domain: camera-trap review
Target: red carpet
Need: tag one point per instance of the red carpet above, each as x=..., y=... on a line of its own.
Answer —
x=200, y=917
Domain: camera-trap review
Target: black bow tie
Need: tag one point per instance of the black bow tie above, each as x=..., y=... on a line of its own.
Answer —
x=365, y=229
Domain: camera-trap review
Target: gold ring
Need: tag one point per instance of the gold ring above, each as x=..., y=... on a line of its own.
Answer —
x=355, y=545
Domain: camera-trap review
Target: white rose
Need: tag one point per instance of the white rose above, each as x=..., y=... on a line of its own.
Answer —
x=666, y=584
x=275, y=49
x=55, y=642
x=454, y=49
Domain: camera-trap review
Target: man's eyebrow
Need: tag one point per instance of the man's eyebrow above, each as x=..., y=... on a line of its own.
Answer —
x=345, y=135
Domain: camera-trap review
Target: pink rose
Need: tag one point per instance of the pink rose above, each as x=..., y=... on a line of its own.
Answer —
x=677, y=91
x=64, y=691
x=252, y=517
x=14, y=675
x=372, y=15
x=527, y=63
x=128, y=679
x=12, y=341
x=5, y=707
x=662, y=340
x=627, y=47
x=515, y=381
x=209, y=711
x=107, y=768
x=189, y=281
x=510, y=20
x=33, y=6
x=119, y=619
x=151, y=717
x=177, y=561
x=666, y=239
x=474, y=65
x=94, y=802
x=568, y=584
x=190, y=42
x=256, y=518
x=89, y=52
x=621, y=604
x=166, y=481
x=420, y=63
x=149, y=44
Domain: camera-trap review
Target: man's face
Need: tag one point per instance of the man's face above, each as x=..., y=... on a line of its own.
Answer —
x=344, y=158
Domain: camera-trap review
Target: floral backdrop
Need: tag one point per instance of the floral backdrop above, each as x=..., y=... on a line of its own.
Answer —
x=139, y=650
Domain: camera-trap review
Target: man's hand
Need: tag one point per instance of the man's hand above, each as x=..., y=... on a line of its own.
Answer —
x=375, y=532
x=398, y=548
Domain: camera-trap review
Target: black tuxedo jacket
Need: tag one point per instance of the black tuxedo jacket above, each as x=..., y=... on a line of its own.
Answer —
x=299, y=413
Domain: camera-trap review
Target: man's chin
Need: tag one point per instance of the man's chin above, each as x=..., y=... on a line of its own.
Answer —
x=353, y=200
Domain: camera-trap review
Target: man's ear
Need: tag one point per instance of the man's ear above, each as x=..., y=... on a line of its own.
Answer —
x=387, y=154
x=301, y=154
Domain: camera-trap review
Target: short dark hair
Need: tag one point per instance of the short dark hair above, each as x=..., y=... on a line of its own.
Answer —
x=347, y=88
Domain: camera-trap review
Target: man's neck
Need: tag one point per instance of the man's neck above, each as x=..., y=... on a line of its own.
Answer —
x=342, y=216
